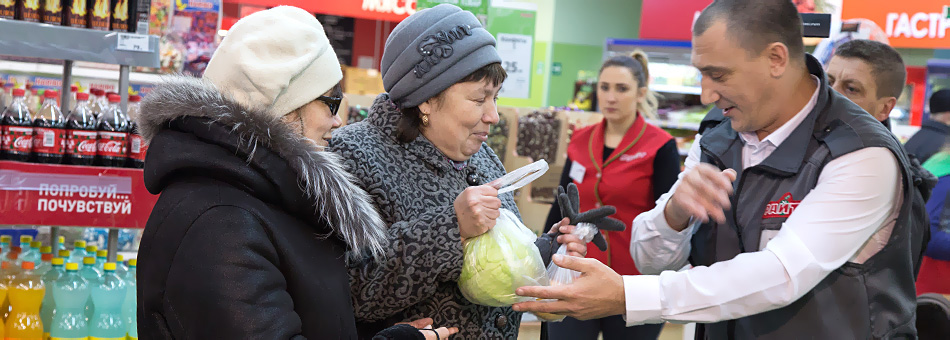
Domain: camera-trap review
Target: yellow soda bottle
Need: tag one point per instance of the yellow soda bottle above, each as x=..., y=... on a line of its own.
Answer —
x=26, y=295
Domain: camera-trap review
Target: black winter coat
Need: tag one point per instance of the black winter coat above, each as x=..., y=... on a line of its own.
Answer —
x=928, y=140
x=249, y=237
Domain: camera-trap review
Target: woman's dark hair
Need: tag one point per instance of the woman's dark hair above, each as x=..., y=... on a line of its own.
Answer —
x=408, y=128
x=638, y=65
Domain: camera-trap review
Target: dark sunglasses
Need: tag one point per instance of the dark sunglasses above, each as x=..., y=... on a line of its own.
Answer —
x=332, y=102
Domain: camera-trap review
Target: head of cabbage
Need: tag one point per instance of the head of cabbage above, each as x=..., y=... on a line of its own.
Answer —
x=499, y=261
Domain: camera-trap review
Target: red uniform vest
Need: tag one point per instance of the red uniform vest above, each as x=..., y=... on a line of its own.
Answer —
x=626, y=182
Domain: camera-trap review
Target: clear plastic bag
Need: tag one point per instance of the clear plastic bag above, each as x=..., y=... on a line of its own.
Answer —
x=499, y=262
x=561, y=276
x=505, y=258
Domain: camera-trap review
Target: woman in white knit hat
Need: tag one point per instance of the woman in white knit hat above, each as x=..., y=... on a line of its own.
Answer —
x=255, y=221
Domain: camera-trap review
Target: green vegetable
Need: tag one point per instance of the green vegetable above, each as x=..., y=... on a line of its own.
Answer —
x=499, y=261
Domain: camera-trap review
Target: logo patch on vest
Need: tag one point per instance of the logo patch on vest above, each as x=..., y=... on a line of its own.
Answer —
x=781, y=208
x=633, y=157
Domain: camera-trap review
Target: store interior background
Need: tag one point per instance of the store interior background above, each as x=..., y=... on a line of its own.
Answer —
x=568, y=44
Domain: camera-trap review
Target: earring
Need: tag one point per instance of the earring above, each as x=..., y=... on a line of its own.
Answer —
x=425, y=120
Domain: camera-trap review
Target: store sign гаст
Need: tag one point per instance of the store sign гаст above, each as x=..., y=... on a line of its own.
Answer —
x=908, y=23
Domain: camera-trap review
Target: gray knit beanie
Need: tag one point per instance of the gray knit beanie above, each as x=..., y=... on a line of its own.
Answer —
x=432, y=50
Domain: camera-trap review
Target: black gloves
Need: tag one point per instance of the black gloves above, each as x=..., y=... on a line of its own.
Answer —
x=570, y=205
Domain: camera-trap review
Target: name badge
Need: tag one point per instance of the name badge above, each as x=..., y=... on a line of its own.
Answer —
x=577, y=172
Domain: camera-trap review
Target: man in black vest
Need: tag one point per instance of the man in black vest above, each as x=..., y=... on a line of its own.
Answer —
x=791, y=211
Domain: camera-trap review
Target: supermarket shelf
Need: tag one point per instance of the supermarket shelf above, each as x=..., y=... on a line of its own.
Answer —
x=84, y=72
x=675, y=125
x=676, y=89
x=33, y=40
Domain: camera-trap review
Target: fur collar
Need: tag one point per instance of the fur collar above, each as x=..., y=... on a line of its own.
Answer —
x=320, y=174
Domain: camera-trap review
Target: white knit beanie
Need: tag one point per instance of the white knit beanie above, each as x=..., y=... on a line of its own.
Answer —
x=279, y=58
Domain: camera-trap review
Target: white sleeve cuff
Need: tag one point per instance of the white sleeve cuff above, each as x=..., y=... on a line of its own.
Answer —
x=667, y=232
x=642, y=299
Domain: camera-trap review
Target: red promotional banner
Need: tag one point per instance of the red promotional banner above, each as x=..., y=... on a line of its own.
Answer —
x=907, y=23
x=73, y=196
x=385, y=10
x=669, y=20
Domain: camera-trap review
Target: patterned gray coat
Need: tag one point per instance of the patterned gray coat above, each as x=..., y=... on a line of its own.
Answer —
x=414, y=188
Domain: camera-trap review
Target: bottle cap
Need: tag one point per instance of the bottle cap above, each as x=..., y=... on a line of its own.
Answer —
x=133, y=262
x=19, y=92
x=5, y=265
x=72, y=266
x=58, y=261
x=46, y=250
x=114, y=98
x=89, y=260
x=50, y=94
x=38, y=244
x=102, y=253
x=96, y=92
x=79, y=244
x=64, y=253
x=61, y=239
x=82, y=96
x=46, y=257
x=6, y=238
x=135, y=98
x=29, y=265
x=73, y=88
x=92, y=249
x=110, y=266
x=120, y=258
x=26, y=239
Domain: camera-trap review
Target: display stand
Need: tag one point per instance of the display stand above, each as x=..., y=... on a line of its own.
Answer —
x=34, y=40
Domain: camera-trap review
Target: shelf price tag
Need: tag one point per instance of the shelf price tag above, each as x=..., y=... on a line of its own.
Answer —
x=133, y=43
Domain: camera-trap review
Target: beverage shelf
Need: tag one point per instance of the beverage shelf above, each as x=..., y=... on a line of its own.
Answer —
x=34, y=40
x=73, y=196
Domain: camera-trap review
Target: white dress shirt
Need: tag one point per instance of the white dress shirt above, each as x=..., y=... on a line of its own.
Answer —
x=848, y=216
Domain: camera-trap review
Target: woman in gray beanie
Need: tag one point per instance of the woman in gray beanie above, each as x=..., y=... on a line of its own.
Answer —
x=421, y=155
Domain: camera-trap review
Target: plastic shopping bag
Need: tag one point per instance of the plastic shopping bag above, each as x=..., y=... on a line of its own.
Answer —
x=505, y=258
x=499, y=261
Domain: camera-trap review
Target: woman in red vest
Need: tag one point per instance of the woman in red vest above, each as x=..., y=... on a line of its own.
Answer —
x=624, y=162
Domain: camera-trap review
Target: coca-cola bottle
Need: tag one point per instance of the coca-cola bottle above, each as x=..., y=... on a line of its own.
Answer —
x=97, y=102
x=112, y=146
x=81, y=133
x=17, y=129
x=137, y=146
x=49, y=133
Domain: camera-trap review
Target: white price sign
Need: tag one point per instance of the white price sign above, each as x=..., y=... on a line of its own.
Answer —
x=515, y=51
x=133, y=43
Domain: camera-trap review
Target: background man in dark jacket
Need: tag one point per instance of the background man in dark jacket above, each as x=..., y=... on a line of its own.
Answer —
x=933, y=133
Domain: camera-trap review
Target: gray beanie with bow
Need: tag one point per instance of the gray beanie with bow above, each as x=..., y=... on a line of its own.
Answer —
x=432, y=50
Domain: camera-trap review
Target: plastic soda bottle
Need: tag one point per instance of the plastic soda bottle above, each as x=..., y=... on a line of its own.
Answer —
x=78, y=253
x=49, y=280
x=26, y=296
x=108, y=295
x=5, y=241
x=92, y=275
x=70, y=294
x=129, y=311
x=101, y=258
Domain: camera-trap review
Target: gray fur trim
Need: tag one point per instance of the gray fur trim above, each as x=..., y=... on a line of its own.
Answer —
x=321, y=176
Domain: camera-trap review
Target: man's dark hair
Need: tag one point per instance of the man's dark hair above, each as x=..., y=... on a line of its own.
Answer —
x=887, y=66
x=757, y=23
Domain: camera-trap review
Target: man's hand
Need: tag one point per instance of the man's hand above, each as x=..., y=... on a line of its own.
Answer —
x=597, y=293
x=703, y=193
x=575, y=246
